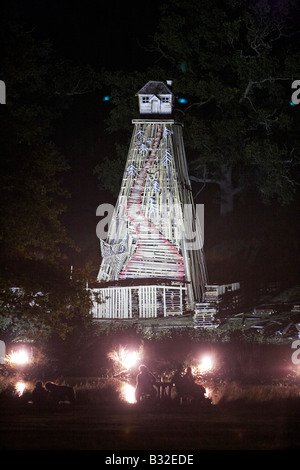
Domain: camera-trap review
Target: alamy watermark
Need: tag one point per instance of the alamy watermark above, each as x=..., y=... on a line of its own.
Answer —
x=2, y=92
x=185, y=222
x=296, y=354
x=295, y=98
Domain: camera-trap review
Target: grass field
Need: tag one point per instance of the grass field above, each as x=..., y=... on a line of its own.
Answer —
x=255, y=419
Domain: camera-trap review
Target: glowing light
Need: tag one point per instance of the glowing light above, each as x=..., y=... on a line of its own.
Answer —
x=182, y=100
x=183, y=67
x=127, y=359
x=106, y=98
x=128, y=393
x=206, y=364
x=20, y=387
x=19, y=358
x=131, y=359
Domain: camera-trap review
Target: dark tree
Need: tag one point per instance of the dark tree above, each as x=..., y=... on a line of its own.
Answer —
x=234, y=62
x=37, y=294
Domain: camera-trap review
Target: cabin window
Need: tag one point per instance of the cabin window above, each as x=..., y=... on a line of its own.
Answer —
x=145, y=99
x=165, y=99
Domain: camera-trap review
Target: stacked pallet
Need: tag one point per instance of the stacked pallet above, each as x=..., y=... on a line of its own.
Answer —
x=155, y=255
x=206, y=311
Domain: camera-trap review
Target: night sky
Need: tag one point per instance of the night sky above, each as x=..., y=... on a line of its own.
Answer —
x=105, y=35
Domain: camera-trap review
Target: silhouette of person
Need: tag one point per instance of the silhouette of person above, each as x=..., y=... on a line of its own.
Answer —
x=60, y=392
x=196, y=390
x=39, y=394
x=178, y=380
x=188, y=376
x=144, y=383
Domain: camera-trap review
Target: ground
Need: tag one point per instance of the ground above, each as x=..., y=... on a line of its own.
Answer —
x=109, y=427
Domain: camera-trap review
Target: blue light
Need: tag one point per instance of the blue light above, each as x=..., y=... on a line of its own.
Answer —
x=106, y=98
x=183, y=67
x=292, y=104
x=182, y=100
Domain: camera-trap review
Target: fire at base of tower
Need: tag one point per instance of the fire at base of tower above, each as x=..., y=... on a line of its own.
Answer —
x=152, y=259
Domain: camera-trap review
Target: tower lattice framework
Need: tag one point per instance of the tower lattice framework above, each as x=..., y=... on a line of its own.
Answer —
x=152, y=259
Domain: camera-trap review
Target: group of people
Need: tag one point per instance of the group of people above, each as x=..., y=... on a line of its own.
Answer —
x=52, y=393
x=185, y=384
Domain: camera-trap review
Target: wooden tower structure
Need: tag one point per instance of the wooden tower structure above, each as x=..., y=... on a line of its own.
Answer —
x=152, y=259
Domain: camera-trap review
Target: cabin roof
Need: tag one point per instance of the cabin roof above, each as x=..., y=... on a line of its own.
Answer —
x=154, y=88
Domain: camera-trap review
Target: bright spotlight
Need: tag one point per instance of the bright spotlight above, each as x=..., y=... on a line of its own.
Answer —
x=19, y=358
x=124, y=358
x=206, y=364
x=130, y=359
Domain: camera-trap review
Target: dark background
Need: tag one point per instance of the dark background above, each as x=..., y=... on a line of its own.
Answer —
x=105, y=35
x=114, y=35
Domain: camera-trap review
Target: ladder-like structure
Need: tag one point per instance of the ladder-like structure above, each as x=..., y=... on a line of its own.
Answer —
x=152, y=259
x=154, y=255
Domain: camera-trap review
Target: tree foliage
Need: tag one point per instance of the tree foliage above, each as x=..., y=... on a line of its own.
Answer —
x=234, y=62
x=53, y=303
x=31, y=190
x=37, y=296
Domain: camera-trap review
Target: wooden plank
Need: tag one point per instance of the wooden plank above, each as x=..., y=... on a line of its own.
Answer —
x=153, y=259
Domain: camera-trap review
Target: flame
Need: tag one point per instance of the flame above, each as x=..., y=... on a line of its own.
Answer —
x=20, y=387
x=128, y=393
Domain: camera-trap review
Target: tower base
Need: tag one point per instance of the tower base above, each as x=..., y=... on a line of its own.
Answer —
x=147, y=298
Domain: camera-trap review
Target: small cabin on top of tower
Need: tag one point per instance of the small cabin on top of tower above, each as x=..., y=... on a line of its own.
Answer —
x=156, y=98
